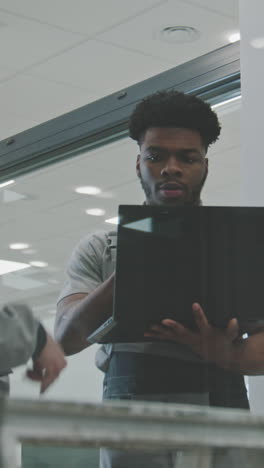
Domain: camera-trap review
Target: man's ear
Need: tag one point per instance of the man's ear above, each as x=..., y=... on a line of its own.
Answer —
x=138, y=166
x=206, y=169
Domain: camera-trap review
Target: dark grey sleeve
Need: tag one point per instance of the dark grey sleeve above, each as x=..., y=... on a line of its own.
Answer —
x=18, y=335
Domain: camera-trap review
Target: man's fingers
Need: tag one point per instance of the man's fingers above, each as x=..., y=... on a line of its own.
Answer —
x=170, y=330
x=232, y=329
x=34, y=375
x=160, y=332
x=45, y=376
x=175, y=326
x=200, y=318
x=48, y=379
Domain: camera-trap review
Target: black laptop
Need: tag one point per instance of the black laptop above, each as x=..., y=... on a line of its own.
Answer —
x=168, y=258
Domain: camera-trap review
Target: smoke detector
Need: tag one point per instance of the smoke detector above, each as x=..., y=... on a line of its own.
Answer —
x=179, y=34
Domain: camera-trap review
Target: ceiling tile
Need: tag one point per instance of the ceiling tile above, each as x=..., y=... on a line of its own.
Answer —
x=34, y=98
x=214, y=29
x=101, y=68
x=226, y=7
x=83, y=16
x=12, y=123
x=6, y=73
x=24, y=42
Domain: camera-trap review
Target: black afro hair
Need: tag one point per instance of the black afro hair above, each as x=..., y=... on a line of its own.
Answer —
x=174, y=109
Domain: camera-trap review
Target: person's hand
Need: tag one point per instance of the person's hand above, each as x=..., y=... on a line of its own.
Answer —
x=210, y=343
x=49, y=364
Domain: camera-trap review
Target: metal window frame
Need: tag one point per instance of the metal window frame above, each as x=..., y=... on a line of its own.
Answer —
x=212, y=77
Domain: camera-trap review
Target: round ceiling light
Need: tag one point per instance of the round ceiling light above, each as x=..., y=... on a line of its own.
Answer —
x=18, y=246
x=179, y=34
x=88, y=190
x=95, y=212
x=258, y=43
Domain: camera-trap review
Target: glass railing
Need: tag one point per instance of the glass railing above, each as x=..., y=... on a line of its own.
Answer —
x=56, y=434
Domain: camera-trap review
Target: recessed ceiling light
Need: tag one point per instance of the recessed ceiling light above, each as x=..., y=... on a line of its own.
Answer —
x=234, y=37
x=38, y=264
x=8, y=267
x=112, y=220
x=8, y=182
x=258, y=43
x=88, y=190
x=179, y=34
x=18, y=246
x=95, y=212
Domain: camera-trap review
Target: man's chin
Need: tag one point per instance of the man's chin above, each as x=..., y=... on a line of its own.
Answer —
x=173, y=201
x=167, y=202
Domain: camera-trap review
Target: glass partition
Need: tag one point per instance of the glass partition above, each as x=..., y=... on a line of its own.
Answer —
x=43, y=209
x=46, y=208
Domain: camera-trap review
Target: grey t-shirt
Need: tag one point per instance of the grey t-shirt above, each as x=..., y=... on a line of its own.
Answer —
x=91, y=263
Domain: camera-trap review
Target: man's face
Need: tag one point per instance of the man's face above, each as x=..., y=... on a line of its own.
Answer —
x=172, y=166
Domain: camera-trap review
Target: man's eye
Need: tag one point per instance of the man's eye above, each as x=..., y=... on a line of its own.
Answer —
x=190, y=159
x=154, y=157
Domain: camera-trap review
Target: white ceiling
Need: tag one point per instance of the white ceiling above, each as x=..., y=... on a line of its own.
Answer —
x=59, y=55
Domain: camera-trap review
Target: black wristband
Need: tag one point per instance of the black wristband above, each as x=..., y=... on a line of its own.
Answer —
x=41, y=341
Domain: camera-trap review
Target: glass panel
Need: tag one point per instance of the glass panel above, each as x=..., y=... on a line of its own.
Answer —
x=34, y=456
x=75, y=457
x=44, y=210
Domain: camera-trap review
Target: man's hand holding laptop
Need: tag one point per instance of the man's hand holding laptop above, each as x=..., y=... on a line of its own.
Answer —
x=211, y=343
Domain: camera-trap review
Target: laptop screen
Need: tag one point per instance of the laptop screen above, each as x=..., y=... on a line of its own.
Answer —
x=168, y=258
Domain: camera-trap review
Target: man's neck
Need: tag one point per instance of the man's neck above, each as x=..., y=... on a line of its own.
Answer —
x=198, y=203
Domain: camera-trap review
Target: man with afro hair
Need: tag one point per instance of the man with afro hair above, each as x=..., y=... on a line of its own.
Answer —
x=173, y=131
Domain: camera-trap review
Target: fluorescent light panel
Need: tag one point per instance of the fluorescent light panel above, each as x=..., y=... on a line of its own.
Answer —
x=8, y=267
x=234, y=37
x=8, y=182
x=38, y=264
x=112, y=220
x=225, y=103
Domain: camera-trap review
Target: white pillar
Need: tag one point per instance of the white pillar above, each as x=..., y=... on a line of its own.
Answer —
x=252, y=79
x=252, y=125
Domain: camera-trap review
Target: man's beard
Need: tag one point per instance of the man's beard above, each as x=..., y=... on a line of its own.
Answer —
x=192, y=200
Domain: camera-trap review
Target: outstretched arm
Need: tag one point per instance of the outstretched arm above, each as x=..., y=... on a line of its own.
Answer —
x=222, y=347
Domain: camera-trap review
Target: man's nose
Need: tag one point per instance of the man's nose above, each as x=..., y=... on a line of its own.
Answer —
x=172, y=167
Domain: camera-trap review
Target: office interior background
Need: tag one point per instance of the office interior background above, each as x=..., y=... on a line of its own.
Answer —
x=57, y=59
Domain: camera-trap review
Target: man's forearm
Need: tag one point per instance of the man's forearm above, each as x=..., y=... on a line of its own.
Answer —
x=80, y=318
x=248, y=355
